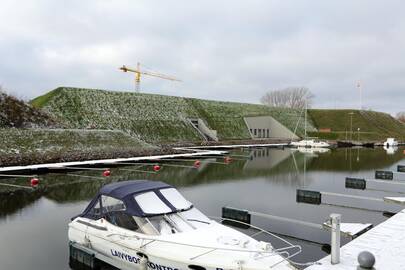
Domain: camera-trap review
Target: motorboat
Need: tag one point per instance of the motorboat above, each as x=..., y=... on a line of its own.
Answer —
x=310, y=143
x=390, y=142
x=146, y=224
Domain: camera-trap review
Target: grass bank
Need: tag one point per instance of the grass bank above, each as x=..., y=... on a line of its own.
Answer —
x=363, y=125
x=157, y=118
x=32, y=146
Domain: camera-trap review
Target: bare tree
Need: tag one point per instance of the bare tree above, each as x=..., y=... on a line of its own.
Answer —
x=401, y=117
x=291, y=97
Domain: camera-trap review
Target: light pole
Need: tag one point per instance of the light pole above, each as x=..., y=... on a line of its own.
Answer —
x=351, y=125
x=358, y=134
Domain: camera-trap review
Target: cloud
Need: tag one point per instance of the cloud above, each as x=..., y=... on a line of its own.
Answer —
x=227, y=50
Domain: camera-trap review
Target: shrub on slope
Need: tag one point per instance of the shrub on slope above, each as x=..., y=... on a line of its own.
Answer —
x=17, y=113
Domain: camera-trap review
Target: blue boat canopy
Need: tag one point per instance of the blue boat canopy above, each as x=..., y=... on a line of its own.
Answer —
x=141, y=198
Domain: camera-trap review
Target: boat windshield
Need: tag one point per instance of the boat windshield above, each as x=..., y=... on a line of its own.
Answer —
x=160, y=224
x=172, y=223
x=161, y=219
x=151, y=204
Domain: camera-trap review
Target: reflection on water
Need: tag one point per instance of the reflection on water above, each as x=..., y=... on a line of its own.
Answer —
x=263, y=179
x=390, y=149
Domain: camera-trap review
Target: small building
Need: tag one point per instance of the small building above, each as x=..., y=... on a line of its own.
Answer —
x=264, y=127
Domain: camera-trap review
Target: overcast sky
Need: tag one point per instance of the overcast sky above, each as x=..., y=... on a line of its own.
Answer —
x=225, y=50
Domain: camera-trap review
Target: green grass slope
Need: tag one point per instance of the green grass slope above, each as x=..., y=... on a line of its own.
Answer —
x=372, y=125
x=31, y=146
x=227, y=117
x=156, y=118
x=151, y=117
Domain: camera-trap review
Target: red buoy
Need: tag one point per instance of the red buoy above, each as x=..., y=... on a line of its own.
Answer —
x=34, y=182
x=106, y=173
x=197, y=163
x=227, y=159
x=156, y=168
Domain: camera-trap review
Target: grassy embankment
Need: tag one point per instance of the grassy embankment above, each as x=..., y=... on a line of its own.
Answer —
x=30, y=135
x=30, y=146
x=374, y=126
x=157, y=118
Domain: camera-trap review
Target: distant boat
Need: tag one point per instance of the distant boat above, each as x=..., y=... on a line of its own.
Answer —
x=310, y=143
x=390, y=142
x=306, y=142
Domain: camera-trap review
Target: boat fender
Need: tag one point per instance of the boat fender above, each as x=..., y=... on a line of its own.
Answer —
x=143, y=263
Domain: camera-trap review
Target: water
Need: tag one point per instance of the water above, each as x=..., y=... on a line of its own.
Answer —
x=33, y=229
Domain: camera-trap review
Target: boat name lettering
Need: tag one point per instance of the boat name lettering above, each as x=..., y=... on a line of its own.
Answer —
x=136, y=260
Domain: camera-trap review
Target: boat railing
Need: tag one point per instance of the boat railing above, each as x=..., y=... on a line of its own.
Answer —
x=283, y=251
x=287, y=252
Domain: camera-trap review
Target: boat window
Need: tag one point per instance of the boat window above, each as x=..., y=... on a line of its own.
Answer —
x=122, y=219
x=111, y=204
x=150, y=203
x=95, y=212
x=145, y=226
x=175, y=198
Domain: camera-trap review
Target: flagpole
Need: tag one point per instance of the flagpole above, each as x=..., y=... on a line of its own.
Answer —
x=361, y=96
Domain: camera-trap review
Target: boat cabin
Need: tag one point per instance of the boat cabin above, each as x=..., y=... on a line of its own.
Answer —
x=147, y=207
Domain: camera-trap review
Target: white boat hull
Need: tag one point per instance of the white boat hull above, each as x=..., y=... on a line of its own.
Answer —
x=164, y=254
x=310, y=144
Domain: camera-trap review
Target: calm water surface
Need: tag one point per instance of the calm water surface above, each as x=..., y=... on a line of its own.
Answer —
x=33, y=229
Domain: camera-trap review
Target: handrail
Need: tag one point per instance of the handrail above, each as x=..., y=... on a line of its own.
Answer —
x=279, y=251
x=286, y=256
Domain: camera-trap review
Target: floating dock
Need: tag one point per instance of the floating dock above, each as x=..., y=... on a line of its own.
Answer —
x=232, y=146
x=197, y=153
x=386, y=242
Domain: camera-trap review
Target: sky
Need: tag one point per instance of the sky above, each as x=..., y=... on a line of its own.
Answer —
x=222, y=50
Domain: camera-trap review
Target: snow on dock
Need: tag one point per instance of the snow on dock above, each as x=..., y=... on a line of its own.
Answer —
x=236, y=146
x=386, y=242
x=201, y=153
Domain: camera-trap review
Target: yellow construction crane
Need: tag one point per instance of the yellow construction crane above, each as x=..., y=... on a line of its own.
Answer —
x=138, y=73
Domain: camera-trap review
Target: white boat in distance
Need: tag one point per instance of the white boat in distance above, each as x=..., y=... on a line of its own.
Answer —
x=149, y=225
x=310, y=143
x=390, y=142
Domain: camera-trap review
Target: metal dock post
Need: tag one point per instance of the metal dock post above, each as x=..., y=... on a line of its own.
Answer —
x=335, y=238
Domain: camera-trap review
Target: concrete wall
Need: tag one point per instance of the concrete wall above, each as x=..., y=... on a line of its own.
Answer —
x=206, y=130
x=262, y=127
